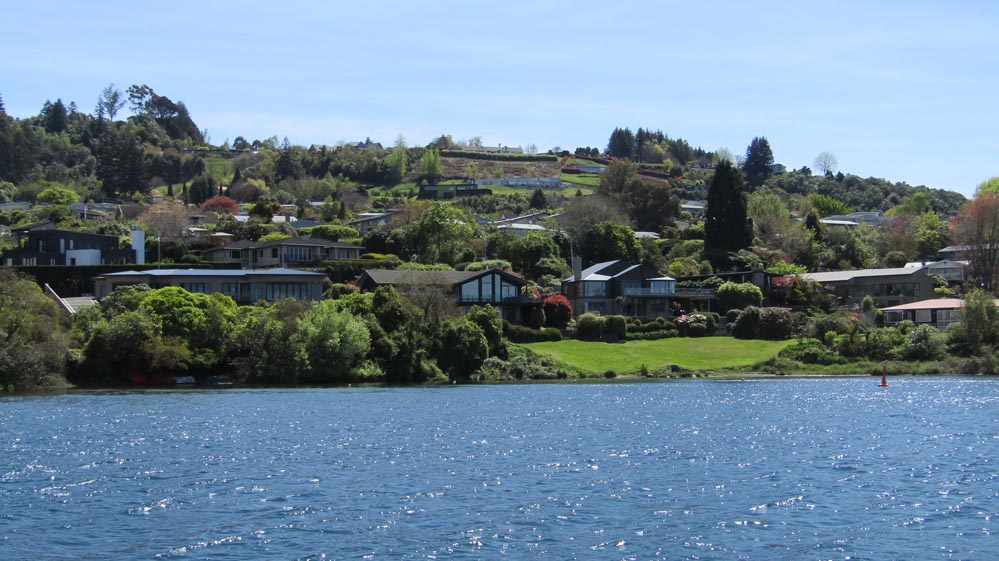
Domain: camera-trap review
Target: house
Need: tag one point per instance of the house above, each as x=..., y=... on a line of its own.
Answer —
x=366, y=221
x=288, y=252
x=244, y=286
x=43, y=244
x=951, y=271
x=451, y=190
x=888, y=287
x=497, y=288
x=96, y=211
x=618, y=287
x=938, y=312
x=871, y=218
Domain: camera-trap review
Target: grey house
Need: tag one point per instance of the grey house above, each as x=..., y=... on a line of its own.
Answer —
x=244, y=286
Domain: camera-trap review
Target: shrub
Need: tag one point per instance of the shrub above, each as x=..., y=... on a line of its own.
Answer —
x=610, y=374
x=654, y=335
x=732, y=314
x=775, y=324
x=696, y=330
x=617, y=327
x=811, y=352
x=821, y=324
x=744, y=326
x=524, y=334
x=739, y=295
x=923, y=343
x=589, y=327
x=558, y=311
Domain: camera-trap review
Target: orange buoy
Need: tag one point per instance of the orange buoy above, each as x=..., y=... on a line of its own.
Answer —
x=884, y=379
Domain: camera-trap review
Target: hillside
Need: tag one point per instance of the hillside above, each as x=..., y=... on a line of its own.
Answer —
x=456, y=167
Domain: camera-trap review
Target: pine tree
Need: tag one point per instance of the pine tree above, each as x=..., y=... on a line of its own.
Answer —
x=759, y=164
x=727, y=227
x=538, y=200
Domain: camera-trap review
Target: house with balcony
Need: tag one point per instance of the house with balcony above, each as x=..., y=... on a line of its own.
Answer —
x=302, y=253
x=43, y=244
x=500, y=289
x=619, y=287
x=888, y=287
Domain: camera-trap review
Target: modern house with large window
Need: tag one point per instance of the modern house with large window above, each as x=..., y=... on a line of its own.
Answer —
x=494, y=287
x=244, y=286
x=43, y=244
x=619, y=287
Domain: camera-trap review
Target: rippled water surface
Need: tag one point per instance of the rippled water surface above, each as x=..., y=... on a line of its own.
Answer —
x=778, y=469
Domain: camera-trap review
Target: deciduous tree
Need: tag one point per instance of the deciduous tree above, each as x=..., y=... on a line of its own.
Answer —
x=976, y=228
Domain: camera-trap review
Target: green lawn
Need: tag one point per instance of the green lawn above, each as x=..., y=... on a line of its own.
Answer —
x=588, y=179
x=706, y=353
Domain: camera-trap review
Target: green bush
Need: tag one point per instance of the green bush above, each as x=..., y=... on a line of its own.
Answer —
x=653, y=335
x=811, y=352
x=524, y=334
x=589, y=327
x=616, y=326
x=739, y=295
x=696, y=330
x=732, y=314
x=923, y=342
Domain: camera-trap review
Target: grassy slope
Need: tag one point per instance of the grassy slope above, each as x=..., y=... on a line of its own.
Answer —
x=708, y=353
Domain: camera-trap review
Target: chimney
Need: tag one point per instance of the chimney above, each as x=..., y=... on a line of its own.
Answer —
x=139, y=246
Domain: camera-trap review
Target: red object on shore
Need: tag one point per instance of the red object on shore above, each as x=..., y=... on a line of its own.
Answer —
x=884, y=379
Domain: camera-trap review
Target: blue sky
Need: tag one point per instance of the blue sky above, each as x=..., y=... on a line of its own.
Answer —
x=901, y=90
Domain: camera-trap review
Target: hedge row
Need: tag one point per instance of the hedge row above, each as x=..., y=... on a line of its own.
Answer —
x=523, y=334
x=653, y=335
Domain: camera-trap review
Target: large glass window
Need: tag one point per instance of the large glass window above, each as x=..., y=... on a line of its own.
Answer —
x=279, y=291
x=198, y=287
x=595, y=289
x=230, y=289
x=487, y=288
x=470, y=291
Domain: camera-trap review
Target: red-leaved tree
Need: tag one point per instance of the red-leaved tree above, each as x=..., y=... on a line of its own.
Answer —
x=220, y=204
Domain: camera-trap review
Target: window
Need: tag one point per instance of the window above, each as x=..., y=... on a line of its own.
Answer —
x=234, y=254
x=470, y=291
x=230, y=289
x=274, y=253
x=631, y=287
x=197, y=287
x=279, y=291
x=595, y=289
x=298, y=253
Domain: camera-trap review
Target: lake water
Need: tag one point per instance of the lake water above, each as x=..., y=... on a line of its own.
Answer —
x=775, y=469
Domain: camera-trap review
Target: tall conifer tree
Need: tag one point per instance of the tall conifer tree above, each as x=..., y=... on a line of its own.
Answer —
x=727, y=227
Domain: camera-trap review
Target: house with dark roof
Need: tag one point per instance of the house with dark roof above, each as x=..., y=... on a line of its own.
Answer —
x=370, y=220
x=244, y=286
x=888, y=287
x=631, y=289
x=494, y=287
x=288, y=252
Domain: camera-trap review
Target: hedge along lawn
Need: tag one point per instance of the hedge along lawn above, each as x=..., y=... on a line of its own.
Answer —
x=699, y=353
